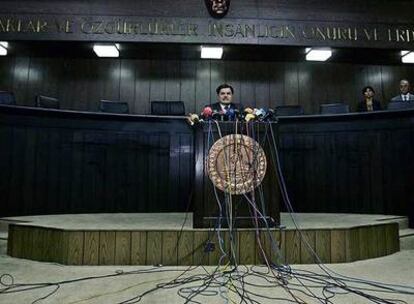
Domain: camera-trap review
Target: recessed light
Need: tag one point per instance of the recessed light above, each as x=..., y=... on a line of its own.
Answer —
x=407, y=57
x=3, y=51
x=210, y=52
x=318, y=54
x=106, y=50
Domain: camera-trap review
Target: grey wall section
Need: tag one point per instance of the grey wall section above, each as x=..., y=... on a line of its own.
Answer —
x=81, y=83
x=370, y=24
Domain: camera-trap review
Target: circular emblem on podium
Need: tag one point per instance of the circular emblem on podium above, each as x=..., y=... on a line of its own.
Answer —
x=236, y=164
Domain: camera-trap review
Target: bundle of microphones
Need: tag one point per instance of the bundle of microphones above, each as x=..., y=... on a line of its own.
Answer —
x=247, y=115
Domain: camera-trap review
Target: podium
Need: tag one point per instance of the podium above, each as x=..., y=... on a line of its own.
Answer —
x=256, y=208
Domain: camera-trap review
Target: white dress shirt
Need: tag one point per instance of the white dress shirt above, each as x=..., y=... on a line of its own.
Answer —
x=223, y=107
x=405, y=97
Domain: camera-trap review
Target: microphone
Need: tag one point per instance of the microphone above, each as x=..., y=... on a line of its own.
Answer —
x=207, y=112
x=249, y=117
x=269, y=116
x=248, y=110
x=192, y=119
x=232, y=114
x=218, y=115
x=260, y=113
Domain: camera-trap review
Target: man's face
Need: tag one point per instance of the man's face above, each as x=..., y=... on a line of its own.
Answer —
x=225, y=96
x=404, y=86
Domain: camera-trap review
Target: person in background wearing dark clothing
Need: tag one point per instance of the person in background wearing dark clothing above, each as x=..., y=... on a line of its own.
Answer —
x=225, y=98
x=368, y=104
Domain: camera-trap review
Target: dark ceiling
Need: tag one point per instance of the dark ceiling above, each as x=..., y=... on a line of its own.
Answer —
x=192, y=51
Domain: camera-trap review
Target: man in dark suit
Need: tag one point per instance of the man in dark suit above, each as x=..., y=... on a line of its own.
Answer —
x=225, y=96
x=222, y=110
x=405, y=94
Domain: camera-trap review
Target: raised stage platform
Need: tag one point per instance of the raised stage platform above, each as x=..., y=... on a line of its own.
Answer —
x=169, y=239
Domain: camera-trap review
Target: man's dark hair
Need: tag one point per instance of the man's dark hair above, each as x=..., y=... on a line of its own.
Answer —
x=224, y=86
x=366, y=88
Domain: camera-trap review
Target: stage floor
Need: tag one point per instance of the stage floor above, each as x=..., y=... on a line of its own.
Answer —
x=174, y=221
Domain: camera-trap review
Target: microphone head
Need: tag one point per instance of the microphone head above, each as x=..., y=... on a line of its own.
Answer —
x=249, y=117
x=215, y=114
x=259, y=112
x=231, y=114
x=248, y=110
x=192, y=119
x=207, y=112
x=269, y=115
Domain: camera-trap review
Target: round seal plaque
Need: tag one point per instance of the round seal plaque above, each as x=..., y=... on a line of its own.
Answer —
x=236, y=164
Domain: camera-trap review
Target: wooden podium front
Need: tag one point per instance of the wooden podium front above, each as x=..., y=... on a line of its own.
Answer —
x=206, y=199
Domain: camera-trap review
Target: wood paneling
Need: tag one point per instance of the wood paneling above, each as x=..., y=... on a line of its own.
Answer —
x=57, y=165
x=360, y=165
x=81, y=83
x=107, y=247
x=169, y=248
x=123, y=248
x=292, y=245
x=91, y=248
x=164, y=247
x=138, y=247
x=323, y=245
x=74, y=248
x=338, y=246
x=154, y=248
x=307, y=247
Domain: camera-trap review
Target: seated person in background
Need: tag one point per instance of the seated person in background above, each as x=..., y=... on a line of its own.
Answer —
x=368, y=103
x=405, y=94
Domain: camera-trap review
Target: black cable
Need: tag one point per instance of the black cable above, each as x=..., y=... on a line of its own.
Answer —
x=242, y=279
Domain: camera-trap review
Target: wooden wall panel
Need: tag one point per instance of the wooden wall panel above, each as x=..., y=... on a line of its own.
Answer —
x=188, y=85
x=247, y=243
x=308, y=247
x=364, y=242
x=167, y=248
x=338, y=246
x=127, y=83
x=123, y=248
x=185, y=248
x=154, y=247
x=292, y=245
x=73, y=249
x=352, y=244
x=349, y=165
x=200, y=257
x=323, y=245
x=203, y=91
x=214, y=255
x=107, y=248
x=81, y=83
x=337, y=158
x=138, y=247
x=91, y=248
